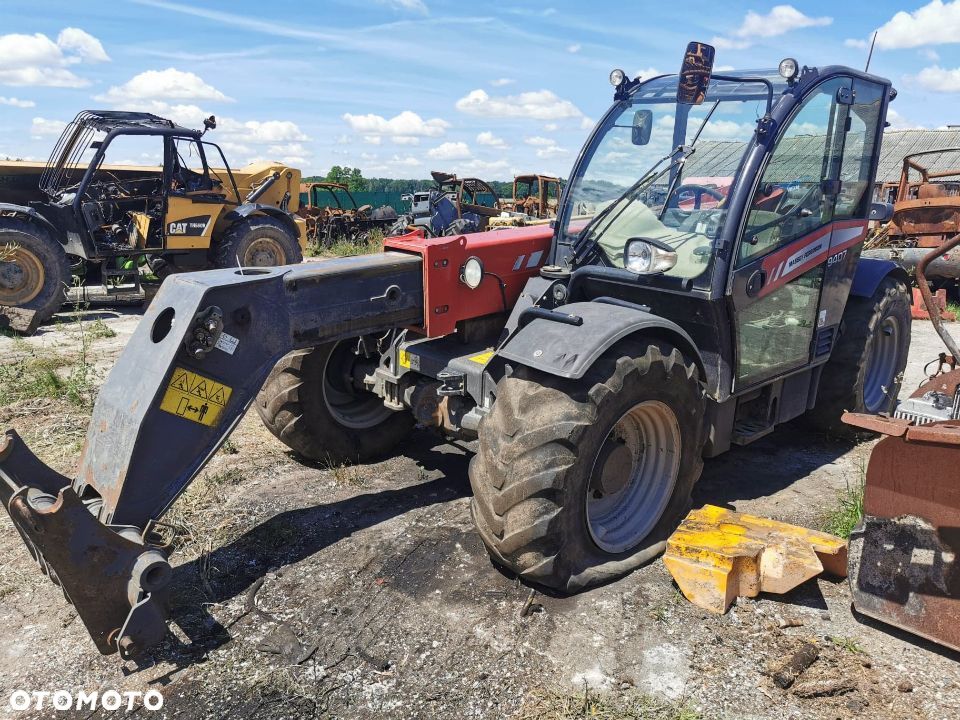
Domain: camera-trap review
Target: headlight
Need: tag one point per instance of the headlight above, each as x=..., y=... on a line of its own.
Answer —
x=616, y=77
x=788, y=68
x=647, y=258
x=472, y=273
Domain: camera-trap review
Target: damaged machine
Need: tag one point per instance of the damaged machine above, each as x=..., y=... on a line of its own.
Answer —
x=904, y=556
x=597, y=361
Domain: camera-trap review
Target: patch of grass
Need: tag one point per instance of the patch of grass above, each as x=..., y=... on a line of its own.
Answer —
x=35, y=375
x=848, y=511
x=848, y=644
x=629, y=705
x=954, y=309
x=344, y=247
x=229, y=447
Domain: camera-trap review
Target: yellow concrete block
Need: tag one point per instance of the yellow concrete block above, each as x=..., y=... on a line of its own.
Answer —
x=717, y=555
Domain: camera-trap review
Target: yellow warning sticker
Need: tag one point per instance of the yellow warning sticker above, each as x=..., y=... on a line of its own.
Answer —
x=404, y=358
x=483, y=358
x=195, y=397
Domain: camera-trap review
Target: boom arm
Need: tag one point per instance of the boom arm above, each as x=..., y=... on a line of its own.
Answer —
x=191, y=369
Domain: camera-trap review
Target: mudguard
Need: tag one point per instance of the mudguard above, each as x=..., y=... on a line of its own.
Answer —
x=870, y=273
x=569, y=350
x=33, y=215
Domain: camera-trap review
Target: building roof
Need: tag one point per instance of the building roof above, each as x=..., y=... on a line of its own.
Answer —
x=719, y=158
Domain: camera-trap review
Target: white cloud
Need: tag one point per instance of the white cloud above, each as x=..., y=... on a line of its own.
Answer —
x=490, y=140
x=646, y=73
x=939, y=79
x=575, y=48
x=406, y=124
x=538, y=141
x=856, y=43
x=82, y=45
x=255, y=131
x=930, y=54
x=450, y=151
x=36, y=60
x=780, y=20
x=487, y=169
x=290, y=149
x=538, y=105
x=405, y=140
x=933, y=24
x=16, y=102
x=551, y=127
x=404, y=162
x=169, y=84
x=43, y=128
x=372, y=139
x=412, y=5
x=551, y=151
x=500, y=82
x=898, y=122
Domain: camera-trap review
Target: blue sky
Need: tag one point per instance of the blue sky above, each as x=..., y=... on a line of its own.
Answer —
x=401, y=87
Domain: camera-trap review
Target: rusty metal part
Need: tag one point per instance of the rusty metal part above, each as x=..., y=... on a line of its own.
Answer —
x=932, y=307
x=717, y=555
x=905, y=554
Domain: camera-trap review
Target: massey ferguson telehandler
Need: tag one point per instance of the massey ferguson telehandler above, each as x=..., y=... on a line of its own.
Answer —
x=192, y=213
x=597, y=362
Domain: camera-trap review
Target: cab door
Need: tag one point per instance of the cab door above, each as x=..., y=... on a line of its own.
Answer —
x=790, y=232
x=193, y=206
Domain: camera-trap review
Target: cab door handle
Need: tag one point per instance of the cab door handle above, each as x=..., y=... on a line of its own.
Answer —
x=756, y=282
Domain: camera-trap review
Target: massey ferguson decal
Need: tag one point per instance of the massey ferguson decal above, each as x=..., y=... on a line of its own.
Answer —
x=189, y=227
x=803, y=254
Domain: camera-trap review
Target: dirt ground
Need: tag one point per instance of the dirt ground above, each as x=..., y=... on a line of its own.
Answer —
x=361, y=592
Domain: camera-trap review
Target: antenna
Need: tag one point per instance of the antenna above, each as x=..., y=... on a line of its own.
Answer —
x=870, y=54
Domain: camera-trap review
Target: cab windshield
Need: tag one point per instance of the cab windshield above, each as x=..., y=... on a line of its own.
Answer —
x=635, y=180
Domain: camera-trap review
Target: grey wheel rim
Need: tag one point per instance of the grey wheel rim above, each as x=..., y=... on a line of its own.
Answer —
x=350, y=407
x=624, y=507
x=881, y=367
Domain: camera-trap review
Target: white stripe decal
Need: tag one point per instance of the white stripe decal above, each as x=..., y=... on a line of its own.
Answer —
x=845, y=235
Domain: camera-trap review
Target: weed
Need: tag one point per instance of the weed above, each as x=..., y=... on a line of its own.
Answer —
x=99, y=329
x=229, y=447
x=848, y=644
x=845, y=516
x=629, y=705
x=954, y=309
x=7, y=251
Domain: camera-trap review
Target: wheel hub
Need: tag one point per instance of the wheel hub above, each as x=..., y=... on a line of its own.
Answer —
x=21, y=275
x=881, y=366
x=612, y=471
x=263, y=252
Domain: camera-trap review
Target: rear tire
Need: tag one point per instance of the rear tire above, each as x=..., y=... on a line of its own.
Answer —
x=258, y=241
x=865, y=369
x=34, y=269
x=539, y=491
x=308, y=404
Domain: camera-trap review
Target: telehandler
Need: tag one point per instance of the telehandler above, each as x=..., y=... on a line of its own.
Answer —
x=597, y=362
x=189, y=214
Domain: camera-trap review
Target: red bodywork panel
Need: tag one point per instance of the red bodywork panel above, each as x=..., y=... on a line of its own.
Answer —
x=513, y=254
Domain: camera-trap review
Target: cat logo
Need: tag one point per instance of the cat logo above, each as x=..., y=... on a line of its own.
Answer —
x=191, y=226
x=178, y=228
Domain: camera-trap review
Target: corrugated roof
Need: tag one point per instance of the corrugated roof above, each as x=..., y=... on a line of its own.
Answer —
x=718, y=158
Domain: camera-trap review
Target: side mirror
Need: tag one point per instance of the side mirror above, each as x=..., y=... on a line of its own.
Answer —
x=695, y=73
x=642, y=127
x=209, y=123
x=881, y=211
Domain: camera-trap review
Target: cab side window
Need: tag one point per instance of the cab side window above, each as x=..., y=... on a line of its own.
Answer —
x=859, y=144
x=793, y=197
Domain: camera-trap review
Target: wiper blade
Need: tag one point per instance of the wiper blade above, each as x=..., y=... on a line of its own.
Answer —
x=585, y=243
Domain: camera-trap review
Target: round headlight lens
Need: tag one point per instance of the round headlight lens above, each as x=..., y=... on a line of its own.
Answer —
x=788, y=68
x=617, y=76
x=472, y=273
x=639, y=257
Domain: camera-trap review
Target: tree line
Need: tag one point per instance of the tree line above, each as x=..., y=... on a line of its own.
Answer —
x=355, y=182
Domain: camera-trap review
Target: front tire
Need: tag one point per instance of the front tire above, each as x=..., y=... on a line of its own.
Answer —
x=553, y=499
x=34, y=269
x=865, y=369
x=309, y=404
x=258, y=241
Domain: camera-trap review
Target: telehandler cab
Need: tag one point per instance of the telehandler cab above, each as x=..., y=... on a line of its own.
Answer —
x=597, y=362
x=189, y=214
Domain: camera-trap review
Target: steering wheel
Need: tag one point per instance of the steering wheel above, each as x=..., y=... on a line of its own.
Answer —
x=698, y=192
x=783, y=208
